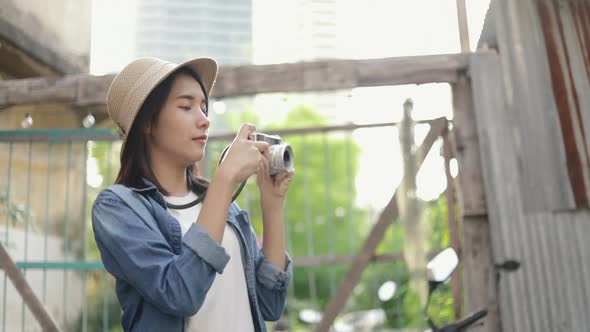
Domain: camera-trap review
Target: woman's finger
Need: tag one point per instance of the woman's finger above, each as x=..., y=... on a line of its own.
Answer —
x=280, y=177
x=287, y=176
x=245, y=130
x=266, y=166
x=262, y=147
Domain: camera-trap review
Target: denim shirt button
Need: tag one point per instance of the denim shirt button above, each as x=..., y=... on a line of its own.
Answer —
x=175, y=240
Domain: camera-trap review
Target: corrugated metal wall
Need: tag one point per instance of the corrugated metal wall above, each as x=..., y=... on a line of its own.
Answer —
x=532, y=106
x=543, y=46
x=551, y=290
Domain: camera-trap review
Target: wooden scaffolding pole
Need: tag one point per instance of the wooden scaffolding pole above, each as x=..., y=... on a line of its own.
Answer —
x=476, y=249
x=26, y=292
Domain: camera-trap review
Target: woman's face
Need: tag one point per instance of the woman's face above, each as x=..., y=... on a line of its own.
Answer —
x=181, y=129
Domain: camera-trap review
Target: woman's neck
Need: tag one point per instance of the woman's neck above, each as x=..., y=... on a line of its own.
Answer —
x=171, y=177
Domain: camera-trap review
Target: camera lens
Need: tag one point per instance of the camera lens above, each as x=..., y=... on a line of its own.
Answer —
x=281, y=158
x=287, y=158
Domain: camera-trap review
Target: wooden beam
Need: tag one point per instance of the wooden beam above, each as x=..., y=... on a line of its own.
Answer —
x=338, y=74
x=463, y=26
x=386, y=218
x=82, y=90
x=26, y=292
x=476, y=250
x=452, y=223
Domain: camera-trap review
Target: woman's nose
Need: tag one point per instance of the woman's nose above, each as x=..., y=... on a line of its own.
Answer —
x=203, y=120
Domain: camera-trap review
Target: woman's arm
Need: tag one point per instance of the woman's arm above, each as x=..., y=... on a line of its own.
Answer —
x=213, y=214
x=273, y=234
x=134, y=250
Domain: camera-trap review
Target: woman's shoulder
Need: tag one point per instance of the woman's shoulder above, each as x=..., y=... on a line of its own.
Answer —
x=122, y=201
x=116, y=193
x=106, y=194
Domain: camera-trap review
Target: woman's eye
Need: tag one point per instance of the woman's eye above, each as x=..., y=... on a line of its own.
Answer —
x=185, y=107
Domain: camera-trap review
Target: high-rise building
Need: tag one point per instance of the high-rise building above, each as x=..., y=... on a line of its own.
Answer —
x=302, y=30
x=320, y=37
x=320, y=28
x=290, y=31
x=177, y=30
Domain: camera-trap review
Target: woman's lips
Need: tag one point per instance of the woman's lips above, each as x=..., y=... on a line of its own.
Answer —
x=201, y=139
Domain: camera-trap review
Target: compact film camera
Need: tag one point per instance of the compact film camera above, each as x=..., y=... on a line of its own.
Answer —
x=281, y=154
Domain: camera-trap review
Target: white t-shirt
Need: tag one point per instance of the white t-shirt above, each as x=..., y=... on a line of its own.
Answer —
x=226, y=306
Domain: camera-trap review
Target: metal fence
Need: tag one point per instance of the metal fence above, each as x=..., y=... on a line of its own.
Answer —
x=49, y=179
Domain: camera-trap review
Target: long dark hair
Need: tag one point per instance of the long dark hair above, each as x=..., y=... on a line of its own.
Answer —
x=135, y=162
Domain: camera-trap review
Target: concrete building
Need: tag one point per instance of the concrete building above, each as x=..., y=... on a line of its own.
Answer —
x=180, y=30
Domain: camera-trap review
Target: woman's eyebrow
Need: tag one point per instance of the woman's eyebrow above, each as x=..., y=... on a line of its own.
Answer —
x=186, y=96
x=190, y=97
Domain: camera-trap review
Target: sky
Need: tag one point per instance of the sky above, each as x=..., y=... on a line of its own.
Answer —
x=366, y=29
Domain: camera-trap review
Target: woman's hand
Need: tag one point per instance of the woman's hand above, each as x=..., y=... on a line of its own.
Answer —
x=244, y=158
x=272, y=187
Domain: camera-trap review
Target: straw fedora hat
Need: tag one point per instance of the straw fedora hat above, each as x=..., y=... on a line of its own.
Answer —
x=135, y=82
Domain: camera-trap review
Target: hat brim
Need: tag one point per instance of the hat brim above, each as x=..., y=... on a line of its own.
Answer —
x=206, y=68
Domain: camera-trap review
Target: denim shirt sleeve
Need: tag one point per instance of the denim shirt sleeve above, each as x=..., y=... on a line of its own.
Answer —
x=272, y=283
x=140, y=255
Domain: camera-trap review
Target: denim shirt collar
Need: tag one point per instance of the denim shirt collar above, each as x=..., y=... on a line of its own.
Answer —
x=148, y=186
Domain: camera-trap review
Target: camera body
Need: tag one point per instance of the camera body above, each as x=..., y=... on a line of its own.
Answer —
x=281, y=154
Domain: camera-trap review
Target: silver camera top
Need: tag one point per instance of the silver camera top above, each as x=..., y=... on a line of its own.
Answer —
x=270, y=139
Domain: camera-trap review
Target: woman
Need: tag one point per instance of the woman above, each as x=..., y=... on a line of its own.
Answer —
x=182, y=264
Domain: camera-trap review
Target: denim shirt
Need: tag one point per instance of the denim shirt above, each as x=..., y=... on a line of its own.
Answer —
x=163, y=277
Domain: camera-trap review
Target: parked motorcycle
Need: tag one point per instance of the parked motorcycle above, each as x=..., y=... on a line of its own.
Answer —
x=439, y=269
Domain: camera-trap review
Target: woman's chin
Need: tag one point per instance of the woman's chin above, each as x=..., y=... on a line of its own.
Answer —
x=194, y=158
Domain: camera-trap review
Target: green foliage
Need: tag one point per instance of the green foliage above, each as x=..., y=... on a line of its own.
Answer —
x=17, y=212
x=441, y=303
